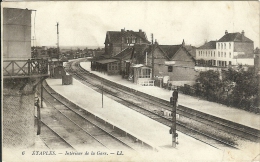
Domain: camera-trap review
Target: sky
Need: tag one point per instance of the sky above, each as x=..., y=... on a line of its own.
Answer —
x=86, y=23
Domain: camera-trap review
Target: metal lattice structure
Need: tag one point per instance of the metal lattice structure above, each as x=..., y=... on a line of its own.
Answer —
x=25, y=68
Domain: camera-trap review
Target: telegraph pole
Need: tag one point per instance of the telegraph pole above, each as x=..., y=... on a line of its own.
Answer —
x=173, y=101
x=58, y=48
x=152, y=59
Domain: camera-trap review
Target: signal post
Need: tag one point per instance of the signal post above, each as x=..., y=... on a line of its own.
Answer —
x=173, y=101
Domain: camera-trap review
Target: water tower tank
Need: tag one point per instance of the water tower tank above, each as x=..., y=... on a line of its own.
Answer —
x=16, y=34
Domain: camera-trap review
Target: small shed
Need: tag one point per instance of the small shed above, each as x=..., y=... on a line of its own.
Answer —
x=142, y=75
x=59, y=72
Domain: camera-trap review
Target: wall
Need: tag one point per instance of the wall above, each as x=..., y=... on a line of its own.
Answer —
x=245, y=61
x=18, y=114
x=246, y=47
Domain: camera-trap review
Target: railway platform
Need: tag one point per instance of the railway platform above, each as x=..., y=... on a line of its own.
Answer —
x=141, y=127
x=228, y=113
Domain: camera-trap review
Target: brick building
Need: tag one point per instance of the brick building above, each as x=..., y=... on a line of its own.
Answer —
x=117, y=41
x=176, y=62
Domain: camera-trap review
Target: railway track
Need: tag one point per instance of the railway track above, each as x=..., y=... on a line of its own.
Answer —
x=48, y=136
x=187, y=126
x=206, y=128
x=222, y=124
x=89, y=130
x=228, y=126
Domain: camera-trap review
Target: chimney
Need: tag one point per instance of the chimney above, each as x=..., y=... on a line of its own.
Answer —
x=155, y=41
x=122, y=30
x=140, y=31
x=183, y=43
x=226, y=32
x=243, y=35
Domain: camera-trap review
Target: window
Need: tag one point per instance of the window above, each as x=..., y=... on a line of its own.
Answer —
x=218, y=45
x=218, y=54
x=133, y=40
x=224, y=45
x=229, y=54
x=221, y=54
x=169, y=68
x=146, y=73
x=214, y=53
x=229, y=45
x=127, y=40
x=221, y=45
x=225, y=54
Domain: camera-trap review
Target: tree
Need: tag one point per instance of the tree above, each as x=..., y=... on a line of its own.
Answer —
x=246, y=86
x=211, y=83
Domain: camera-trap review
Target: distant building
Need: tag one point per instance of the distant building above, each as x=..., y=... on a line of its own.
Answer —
x=231, y=49
x=206, y=54
x=117, y=41
x=39, y=52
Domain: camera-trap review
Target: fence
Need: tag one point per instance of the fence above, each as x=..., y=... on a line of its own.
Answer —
x=145, y=82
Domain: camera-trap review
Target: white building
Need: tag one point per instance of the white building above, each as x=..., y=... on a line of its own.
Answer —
x=231, y=49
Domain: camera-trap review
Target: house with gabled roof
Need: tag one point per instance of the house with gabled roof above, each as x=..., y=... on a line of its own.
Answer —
x=174, y=62
x=117, y=41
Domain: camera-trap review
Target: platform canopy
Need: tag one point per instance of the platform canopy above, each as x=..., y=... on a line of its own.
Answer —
x=106, y=61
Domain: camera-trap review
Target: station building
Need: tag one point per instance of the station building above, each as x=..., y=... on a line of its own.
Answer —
x=117, y=41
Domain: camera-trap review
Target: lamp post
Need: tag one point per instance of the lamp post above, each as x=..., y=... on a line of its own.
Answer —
x=102, y=91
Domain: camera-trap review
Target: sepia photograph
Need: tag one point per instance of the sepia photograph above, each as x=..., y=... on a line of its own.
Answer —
x=130, y=81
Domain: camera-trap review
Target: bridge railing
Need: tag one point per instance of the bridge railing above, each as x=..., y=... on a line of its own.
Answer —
x=25, y=68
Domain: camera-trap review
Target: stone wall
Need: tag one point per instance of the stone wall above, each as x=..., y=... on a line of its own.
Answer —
x=18, y=113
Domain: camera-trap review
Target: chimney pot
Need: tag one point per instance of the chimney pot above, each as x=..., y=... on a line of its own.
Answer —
x=226, y=32
x=140, y=30
x=243, y=32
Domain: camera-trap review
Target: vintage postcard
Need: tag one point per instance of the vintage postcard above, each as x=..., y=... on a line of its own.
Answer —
x=130, y=81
